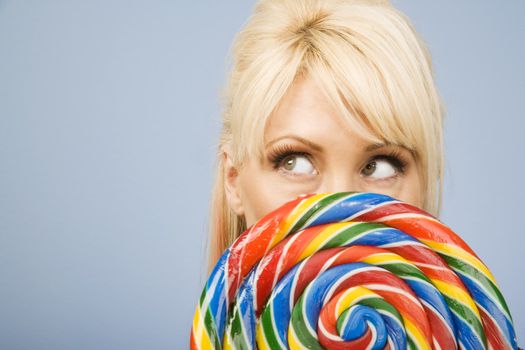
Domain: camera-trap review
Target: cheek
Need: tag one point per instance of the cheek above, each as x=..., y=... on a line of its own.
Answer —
x=261, y=194
x=412, y=193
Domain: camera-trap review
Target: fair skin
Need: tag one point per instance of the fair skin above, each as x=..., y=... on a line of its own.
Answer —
x=310, y=149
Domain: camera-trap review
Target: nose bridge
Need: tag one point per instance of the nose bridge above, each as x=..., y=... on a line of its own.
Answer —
x=340, y=180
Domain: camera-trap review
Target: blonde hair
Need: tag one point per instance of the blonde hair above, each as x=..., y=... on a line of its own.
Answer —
x=365, y=56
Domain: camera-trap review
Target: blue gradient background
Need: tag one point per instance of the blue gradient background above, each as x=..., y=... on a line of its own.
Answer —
x=109, y=116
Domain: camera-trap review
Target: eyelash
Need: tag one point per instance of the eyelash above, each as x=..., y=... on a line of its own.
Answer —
x=281, y=152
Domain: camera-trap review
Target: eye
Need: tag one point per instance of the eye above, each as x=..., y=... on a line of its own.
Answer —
x=384, y=167
x=297, y=163
x=289, y=159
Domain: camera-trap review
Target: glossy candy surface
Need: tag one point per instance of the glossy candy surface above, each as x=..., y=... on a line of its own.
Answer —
x=351, y=270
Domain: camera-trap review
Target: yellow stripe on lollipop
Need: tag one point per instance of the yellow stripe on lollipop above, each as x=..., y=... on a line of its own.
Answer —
x=351, y=297
x=322, y=237
x=385, y=258
x=262, y=344
x=415, y=334
x=458, y=294
x=459, y=253
x=227, y=342
x=293, y=342
x=200, y=333
x=294, y=216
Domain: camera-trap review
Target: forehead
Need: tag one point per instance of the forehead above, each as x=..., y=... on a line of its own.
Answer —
x=307, y=112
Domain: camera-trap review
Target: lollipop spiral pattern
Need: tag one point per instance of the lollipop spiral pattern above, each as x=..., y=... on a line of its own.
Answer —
x=351, y=270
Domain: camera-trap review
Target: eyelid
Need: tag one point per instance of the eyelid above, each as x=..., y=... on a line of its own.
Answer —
x=279, y=152
x=395, y=158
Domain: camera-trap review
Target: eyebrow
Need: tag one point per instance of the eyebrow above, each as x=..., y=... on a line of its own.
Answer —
x=307, y=142
x=319, y=148
x=375, y=146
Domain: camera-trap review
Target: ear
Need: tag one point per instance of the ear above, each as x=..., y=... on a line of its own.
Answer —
x=231, y=182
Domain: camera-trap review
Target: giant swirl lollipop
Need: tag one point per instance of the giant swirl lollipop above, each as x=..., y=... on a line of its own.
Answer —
x=351, y=270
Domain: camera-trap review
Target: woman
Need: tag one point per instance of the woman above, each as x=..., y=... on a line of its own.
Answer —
x=325, y=96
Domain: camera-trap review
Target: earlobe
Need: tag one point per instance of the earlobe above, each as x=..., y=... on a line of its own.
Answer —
x=231, y=182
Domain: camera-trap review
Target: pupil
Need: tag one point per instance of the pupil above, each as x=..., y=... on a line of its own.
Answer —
x=371, y=167
x=289, y=163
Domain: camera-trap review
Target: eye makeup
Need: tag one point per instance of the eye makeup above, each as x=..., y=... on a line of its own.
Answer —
x=395, y=158
x=281, y=152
